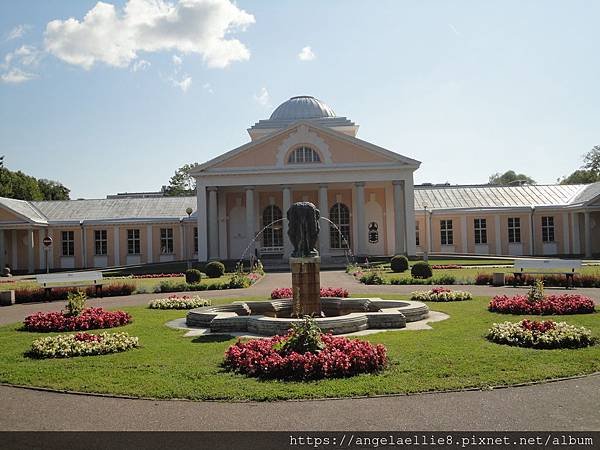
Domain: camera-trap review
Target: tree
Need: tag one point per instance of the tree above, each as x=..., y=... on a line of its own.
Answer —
x=53, y=190
x=510, y=178
x=182, y=183
x=589, y=172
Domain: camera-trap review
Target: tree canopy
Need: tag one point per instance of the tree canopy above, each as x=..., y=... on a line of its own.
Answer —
x=21, y=186
x=510, y=178
x=182, y=184
x=589, y=172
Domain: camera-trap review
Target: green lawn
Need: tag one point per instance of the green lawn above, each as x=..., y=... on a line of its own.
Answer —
x=144, y=284
x=453, y=355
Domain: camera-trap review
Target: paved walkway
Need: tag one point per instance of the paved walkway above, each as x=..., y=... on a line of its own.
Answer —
x=561, y=405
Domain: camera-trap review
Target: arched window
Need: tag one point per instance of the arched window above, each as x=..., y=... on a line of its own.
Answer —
x=340, y=215
x=273, y=234
x=303, y=155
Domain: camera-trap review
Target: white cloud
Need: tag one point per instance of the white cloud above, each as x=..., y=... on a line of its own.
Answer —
x=140, y=65
x=183, y=84
x=208, y=88
x=113, y=37
x=306, y=54
x=15, y=76
x=17, y=32
x=177, y=60
x=263, y=98
x=454, y=30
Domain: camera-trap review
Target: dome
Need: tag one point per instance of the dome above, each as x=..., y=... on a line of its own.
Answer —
x=302, y=107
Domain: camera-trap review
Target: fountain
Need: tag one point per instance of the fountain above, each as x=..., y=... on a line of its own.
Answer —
x=332, y=314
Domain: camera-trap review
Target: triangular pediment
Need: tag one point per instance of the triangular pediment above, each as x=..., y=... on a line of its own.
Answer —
x=334, y=149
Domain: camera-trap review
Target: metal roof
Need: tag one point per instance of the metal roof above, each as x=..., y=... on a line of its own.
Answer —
x=24, y=209
x=302, y=107
x=472, y=197
x=117, y=209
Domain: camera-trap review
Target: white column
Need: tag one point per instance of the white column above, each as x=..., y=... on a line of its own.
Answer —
x=2, y=251
x=213, y=224
x=531, y=235
x=575, y=231
x=41, y=251
x=360, y=219
x=149, y=245
x=588, y=235
x=202, y=222
x=566, y=246
x=463, y=234
x=498, y=233
x=30, y=252
x=428, y=215
x=390, y=232
x=250, y=220
x=14, y=250
x=182, y=242
x=83, y=248
x=223, y=236
x=409, y=215
x=287, y=203
x=399, y=214
x=324, y=244
x=116, y=249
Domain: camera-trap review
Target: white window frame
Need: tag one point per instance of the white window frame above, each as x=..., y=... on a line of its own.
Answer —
x=417, y=234
x=514, y=230
x=480, y=228
x=68, y=243
x=100, y=242
x=446, y=232
x=345, y=227
x=548, y=229
x=304, y=155
x=167, y=244
x=134, y=246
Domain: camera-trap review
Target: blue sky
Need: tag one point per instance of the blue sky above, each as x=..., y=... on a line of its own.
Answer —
x=469, y=88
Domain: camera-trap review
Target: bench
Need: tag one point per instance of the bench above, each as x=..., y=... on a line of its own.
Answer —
x=70, y=279
x=546, y=267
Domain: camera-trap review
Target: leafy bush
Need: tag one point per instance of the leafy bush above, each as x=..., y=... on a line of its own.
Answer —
x=445, y=279
x=75, y=303
x=324, y=292
x=484, y=279
x=536, y=293
x=339, y=357
x=536, y=334
x=81, y=344
x=441, y=294
x=215, y=269
x=551, y=304
x=193, y=276
x=304, y=337
x=399, y=263
x=178, y=302
x=239, y=280
x=172, y=286
x=30, y=295
x=89, y=319
x=421, y=270
x=372, y=277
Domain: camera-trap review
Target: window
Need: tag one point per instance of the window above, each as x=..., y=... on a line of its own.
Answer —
x=100, y=242
x=548, y=229
x=196, y=239
x=446, y=232
x=303, y=155
x=339, y=214
x=480, y=231
x=273, y=233
x=166, y=241
x=133, y=242
x=514, y=230
x=68, y=243
x=418, y=241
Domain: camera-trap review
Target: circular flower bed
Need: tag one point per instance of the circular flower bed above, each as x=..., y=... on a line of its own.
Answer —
x=440, y=294
x=89, y=319
x=537, y=334
x=551, y=304
x=82, y=344
x=305, y=354
x=178, y=302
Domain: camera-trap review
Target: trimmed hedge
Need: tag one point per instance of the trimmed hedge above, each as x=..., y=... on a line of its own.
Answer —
x=31, y=295
x=215, y=269
x=193, y=276
x=421, y=269
x=399, y=263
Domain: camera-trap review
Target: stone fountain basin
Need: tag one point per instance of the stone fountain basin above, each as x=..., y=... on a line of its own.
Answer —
x=342, y=315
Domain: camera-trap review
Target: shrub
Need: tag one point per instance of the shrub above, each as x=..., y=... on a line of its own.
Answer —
x=81, y=344
x=537, y=334
x=89, y=319
x=177, y=302
x=29, y=295
x=421, y=269
x=399, y=263
x=304, y=337
x=372, y=277
x=551, y=304
x=75, y=303
x=171, y=286
x=445, y=279
x=441, y=294
x=324, y=292
x=339, y=357
x=484, y=279
x=215, y=269
x=193, y=276
x=239, y=280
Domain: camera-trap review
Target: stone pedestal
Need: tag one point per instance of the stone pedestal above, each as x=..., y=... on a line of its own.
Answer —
x=7, y=298
x=306, y=286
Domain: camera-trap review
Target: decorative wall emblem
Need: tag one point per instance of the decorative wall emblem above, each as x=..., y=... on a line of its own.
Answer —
x=373, y=233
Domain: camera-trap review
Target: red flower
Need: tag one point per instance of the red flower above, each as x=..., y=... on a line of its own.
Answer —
x=90, y=318
x=551, y=304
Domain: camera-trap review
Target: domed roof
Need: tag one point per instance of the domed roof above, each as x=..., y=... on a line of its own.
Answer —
x=302, y=107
